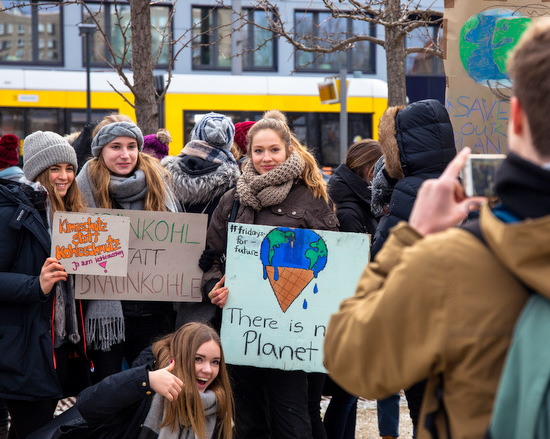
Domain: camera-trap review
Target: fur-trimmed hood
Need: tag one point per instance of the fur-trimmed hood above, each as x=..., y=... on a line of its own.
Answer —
x=197, y=181
x=416, y=139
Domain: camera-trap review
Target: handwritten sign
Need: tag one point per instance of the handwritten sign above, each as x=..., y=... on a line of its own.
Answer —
x=479, y=38
x=163, y=253
x=283, y=286
x=89, y=244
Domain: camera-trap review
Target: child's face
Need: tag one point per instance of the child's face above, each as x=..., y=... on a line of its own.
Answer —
x=61, y=177
x=207, y=364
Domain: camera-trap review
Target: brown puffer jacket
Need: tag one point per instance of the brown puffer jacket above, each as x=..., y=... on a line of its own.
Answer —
x=300, y=209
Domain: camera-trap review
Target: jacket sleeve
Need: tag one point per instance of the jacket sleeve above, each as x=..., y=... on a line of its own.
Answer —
x=389, y=335
x=16, y=287
x=114, y=396
x=216, y=239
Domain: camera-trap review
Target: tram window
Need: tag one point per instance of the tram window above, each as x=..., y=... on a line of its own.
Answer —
x=12, y=121
x=45, y=120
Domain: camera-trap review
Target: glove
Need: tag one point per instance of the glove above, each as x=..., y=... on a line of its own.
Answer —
x=207, y=259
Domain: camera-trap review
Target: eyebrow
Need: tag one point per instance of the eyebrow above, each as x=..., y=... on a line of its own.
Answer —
x=204, y=356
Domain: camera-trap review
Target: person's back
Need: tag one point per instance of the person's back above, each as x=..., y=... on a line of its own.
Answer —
x=457, y=298
x=417, y=142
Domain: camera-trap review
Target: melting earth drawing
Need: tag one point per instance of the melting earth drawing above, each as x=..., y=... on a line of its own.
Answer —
x=291, y=258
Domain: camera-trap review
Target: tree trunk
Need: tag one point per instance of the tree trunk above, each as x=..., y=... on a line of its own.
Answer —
x=394, y=45
x=142, y=66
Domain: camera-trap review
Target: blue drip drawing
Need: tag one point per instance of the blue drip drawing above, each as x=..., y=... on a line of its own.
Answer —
x=291, y=258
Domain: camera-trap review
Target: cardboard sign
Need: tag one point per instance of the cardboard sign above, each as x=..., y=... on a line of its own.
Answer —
x=163, y=255
x=479, y=38
x=89, y=244
x=283, y=286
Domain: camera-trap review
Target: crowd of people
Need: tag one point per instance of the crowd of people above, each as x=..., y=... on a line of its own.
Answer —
x=433, y=313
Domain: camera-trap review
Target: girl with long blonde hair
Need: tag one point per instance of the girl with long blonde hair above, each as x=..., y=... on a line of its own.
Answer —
x=281, y=185
x=120, y=176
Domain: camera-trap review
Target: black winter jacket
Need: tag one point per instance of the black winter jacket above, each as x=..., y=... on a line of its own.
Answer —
x=418, y=144
x=352, y=197
x=26, y=344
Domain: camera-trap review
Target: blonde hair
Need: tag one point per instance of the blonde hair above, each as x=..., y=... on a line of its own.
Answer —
x=155, y=177
x=71, y=202
x=276, y=121
x=188, y=410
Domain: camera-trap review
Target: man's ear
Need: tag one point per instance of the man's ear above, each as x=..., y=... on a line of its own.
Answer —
x=517, y=116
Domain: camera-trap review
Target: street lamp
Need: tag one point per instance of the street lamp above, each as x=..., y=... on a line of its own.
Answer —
x=88, y=31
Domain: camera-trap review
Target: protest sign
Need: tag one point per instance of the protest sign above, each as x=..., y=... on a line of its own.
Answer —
x=163, y=253
x=89, y=244
x=284, y=284
x=479, y=38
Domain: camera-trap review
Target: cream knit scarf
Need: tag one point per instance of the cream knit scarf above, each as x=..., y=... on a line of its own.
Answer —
x=259, y=191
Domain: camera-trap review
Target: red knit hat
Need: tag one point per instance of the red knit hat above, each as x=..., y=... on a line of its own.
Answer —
x=241, y=130
x=9, y=150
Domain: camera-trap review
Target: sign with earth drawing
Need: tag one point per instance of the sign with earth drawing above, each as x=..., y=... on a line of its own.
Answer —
x=284, y=284
x=479, y=37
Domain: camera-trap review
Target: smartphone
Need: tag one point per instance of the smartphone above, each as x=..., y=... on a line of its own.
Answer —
x=479, y=174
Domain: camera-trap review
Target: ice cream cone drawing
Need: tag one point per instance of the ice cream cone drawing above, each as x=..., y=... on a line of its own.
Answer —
x=291, y=258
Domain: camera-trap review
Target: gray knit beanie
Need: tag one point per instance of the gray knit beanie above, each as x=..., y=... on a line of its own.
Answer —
x=215, y=129
x=43, y=149
x=110, y=132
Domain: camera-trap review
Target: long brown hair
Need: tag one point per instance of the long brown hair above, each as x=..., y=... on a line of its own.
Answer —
x=362, y=156
x=155, y=176
x=276, y=121
x=188, y=410
x=71, y=202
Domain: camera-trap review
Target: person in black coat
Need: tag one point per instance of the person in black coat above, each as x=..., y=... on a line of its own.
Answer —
x=349, y=188
x=418, y=143
x=28, y=380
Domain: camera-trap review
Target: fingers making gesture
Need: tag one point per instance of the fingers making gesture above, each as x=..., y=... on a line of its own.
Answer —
x=164, y=382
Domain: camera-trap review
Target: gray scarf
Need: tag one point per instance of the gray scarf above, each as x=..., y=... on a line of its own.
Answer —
x=156, y=414
x=259, y=191
x=65, y=320
x=104, y=321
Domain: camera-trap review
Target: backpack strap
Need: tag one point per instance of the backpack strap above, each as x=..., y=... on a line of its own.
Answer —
x=234, y=210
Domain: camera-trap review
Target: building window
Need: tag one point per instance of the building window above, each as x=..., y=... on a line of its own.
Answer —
x=112, y=18
x=360, y=58
x=212, y=40
x=30, y=19
x=421, y=63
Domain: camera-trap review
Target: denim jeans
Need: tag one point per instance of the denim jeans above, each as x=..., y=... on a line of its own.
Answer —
x=388, y=415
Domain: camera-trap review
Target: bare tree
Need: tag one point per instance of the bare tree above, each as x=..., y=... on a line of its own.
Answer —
x=398, y=18
x=135, y=53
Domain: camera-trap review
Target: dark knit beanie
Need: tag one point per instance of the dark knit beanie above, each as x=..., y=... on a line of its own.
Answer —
x=157, y=144
x=9, y=150
x=43, y=149
x=215, y=129
x=241, y=130
x=117, y=129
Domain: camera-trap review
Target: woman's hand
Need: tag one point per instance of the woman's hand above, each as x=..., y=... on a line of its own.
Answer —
x=164, y=382
x=52, y=271
x=218, y=295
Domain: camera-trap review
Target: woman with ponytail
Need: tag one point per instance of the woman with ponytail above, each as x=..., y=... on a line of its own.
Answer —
x=280, y=185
